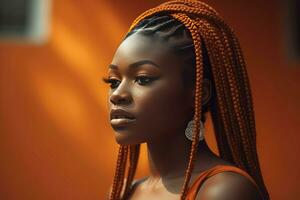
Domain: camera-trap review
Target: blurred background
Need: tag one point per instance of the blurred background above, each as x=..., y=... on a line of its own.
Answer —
x=55, y=138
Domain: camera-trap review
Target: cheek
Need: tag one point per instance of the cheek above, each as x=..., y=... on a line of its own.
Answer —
x=160, y=109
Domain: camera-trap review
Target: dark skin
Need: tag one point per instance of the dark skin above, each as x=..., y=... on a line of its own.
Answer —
x=147, y=82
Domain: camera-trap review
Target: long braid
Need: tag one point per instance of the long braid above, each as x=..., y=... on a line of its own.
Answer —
x=199, y=81
x=122, y=174
x=231, y=103
x=119, y=174
x=133, y=161
x=217, y=55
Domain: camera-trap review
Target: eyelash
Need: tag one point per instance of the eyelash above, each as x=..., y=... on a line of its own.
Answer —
x=113, y=81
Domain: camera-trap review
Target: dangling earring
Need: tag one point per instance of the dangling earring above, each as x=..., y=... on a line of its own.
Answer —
x=189, y=130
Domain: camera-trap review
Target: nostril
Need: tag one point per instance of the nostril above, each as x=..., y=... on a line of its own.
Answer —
x=120, y=99
x=117, y=100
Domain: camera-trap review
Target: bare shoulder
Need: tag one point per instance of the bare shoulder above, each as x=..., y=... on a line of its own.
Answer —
x=134, y=184
x=228, y=186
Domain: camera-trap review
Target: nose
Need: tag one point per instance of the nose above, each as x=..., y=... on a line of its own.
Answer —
x=121, y=95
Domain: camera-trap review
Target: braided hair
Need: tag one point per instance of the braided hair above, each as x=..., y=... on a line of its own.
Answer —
x=211, y=50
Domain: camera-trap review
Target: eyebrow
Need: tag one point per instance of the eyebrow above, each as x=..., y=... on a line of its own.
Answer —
x=136, y=64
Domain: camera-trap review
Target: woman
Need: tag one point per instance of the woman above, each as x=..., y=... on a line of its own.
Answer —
x=179, y=62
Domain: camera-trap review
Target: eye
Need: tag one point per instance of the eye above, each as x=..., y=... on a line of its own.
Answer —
x=112, y=81
x=144, y=80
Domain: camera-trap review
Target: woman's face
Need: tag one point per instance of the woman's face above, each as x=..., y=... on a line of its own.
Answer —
x=147, y=100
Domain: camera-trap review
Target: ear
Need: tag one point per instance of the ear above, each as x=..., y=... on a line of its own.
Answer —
x=206, y=93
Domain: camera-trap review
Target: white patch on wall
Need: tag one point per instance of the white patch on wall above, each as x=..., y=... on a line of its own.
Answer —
x=24, y=21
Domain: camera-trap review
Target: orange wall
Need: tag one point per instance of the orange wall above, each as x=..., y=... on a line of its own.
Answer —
x=55, y=139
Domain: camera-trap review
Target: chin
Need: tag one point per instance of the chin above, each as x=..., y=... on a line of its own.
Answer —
x=126, y=138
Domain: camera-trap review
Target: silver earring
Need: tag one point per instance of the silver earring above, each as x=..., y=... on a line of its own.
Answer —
x=189, y=130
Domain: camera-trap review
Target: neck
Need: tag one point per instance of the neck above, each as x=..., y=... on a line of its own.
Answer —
x=169, y=159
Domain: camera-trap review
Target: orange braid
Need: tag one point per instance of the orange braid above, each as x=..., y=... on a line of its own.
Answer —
x=133, y=161
x=119, y=174
x=199, y=78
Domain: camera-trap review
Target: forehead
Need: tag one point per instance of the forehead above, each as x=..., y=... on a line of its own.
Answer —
x=139, y=47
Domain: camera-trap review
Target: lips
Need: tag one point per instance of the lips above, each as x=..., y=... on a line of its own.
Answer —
x=119, y=117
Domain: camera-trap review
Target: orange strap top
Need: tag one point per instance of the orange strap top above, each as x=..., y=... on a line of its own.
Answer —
x=194, y=188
